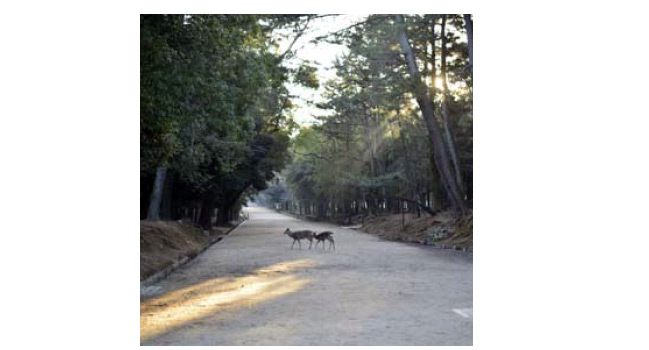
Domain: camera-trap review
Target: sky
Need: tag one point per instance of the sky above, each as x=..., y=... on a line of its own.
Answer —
x=322, y=53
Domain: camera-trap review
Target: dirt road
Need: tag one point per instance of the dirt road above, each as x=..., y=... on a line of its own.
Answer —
x=252, y=289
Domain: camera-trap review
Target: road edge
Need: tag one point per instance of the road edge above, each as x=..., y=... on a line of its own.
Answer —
x=433, y=245
x=160, y=275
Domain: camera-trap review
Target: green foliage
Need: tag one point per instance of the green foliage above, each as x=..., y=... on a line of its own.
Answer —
x=307, y=76
x=274, y=195
x=215, y=111
x=373, y=144
x=213, y=103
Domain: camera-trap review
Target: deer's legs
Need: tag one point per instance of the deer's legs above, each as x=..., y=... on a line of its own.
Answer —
x=293, y=244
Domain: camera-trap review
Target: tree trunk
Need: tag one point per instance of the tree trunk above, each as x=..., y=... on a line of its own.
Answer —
x=469, y=31
x=425, y=104
x=450, y=142
x=207, y=208
x=167, y=197
x=435, y=175
x=223, y=215
x=404, y=149
x=433, y=69
x=156, y=195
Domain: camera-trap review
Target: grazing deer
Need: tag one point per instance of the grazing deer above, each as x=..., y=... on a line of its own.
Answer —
x=300, y=235
x=325, y=236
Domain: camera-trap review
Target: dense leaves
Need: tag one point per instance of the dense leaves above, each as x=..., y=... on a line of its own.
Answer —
x=213, y=107
x=216, y=126
x=371, y=150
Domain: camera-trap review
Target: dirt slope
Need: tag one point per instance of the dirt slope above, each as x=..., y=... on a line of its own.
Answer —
x=164, y=242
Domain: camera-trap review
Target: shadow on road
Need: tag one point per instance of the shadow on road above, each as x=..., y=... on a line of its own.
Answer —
x=172, y=310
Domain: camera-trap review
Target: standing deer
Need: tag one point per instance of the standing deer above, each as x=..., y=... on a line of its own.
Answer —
x=325, y=236
x=300, y=235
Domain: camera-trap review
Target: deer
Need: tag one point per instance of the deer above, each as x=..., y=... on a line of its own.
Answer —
x=300, y=235
x=325, y=236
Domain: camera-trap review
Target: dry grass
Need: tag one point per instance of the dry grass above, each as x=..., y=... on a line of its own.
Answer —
x=421, y=230
x=463, y=236
x=164, y=242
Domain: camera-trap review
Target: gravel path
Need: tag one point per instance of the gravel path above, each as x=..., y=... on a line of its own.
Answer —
x=252, y=289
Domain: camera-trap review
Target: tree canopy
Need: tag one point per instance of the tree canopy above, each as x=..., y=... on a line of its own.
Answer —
x=398, y=137
x=213, y=119
x=394, y=132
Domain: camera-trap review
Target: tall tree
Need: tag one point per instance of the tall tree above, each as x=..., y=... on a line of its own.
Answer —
x=469, y=30
x=153, y=212
x=425, y=103
x=445, y=109
x=362, y=155
x=210, y=88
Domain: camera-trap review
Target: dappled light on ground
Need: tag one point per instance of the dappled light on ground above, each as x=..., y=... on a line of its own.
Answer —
x=175, y=309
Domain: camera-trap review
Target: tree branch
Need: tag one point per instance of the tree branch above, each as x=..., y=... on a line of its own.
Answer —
x=352, y=26
x=313, y=155
x=300, y=33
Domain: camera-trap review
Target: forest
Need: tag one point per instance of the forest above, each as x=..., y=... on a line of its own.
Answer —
x=217, y=127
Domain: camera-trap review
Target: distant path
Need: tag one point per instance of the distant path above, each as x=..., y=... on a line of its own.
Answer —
x=252, y=289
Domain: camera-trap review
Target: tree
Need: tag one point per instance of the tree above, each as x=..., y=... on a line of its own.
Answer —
x=212, y=110
x=437, y=146
x=469, y=29
x=363, y=155
x=215, y=119
x=450, y=142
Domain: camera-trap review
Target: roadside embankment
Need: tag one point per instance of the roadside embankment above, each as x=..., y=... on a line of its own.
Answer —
x=441, y=230
x=166, y=245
